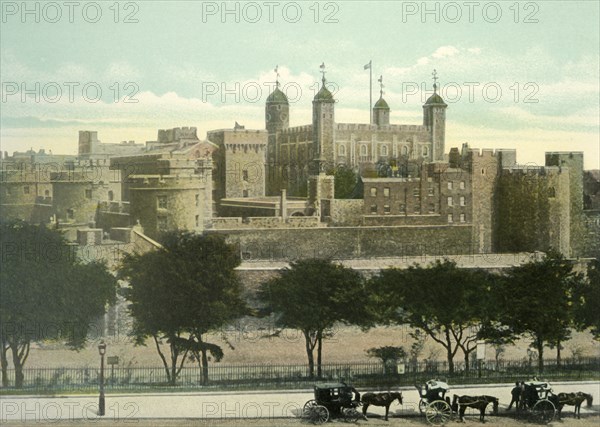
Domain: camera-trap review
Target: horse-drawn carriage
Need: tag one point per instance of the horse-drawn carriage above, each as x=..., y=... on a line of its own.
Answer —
x=434, y=403
x=334, y=400
x=537, y=398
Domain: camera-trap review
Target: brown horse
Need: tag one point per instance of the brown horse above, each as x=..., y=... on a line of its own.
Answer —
x=461, y=403
x=380, y=399
x=574, y=399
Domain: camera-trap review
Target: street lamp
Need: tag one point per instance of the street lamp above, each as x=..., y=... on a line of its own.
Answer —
x=102, y=351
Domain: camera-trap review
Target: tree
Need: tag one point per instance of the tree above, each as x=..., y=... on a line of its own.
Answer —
x=181, y=292
x=587, y=300
x=345, y=182
x=387, y=352
x=535, y=300
x=311, y=296
x=445, y=302
x=46, y=292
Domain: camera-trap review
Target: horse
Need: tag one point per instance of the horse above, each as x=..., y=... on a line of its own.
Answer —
x=380, y=399
x=461, y=403
x=574, y=399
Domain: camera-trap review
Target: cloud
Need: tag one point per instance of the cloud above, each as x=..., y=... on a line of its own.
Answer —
x=445, y=52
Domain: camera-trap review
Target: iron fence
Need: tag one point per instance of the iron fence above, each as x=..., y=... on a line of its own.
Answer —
x=268, y=376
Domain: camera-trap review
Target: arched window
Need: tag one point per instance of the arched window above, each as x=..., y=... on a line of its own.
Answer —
x=363, y=150
x=111, y=195
x=404, y=150
x=342, y=150
x=425, y=150
x=384, y=150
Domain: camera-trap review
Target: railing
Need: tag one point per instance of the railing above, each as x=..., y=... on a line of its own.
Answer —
x=266, y=376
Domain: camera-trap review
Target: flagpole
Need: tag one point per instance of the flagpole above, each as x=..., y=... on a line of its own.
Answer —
x=371, y=91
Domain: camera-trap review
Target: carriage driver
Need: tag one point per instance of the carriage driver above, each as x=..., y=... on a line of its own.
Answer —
x=435, y=390
x=352, y=394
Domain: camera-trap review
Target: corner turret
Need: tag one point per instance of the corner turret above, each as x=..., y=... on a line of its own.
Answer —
x=434, y=117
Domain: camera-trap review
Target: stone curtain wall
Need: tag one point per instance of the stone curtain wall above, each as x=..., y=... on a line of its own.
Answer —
x=346, y=212
x=347, y=242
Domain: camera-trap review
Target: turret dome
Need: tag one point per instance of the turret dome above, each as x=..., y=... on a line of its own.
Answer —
x=277, y=97
x=435, y=99
x=381, y=104
x=324, y=95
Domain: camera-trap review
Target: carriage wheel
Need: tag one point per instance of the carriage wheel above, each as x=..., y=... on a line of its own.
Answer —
x=351, y=415
x=320, y=415
x=422, y=406
x=438, y=413
x=311, y=403
x=543, y=411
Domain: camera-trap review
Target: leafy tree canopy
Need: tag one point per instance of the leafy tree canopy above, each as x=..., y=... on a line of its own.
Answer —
x=183, y=291
x=444, y=301
x=587, y=300
x=311, y=296
x=536, y=299
x=46, y=291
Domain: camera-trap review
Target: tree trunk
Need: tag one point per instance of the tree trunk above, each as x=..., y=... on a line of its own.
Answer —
x=174, y=355
x=4, y=363
x=466, y=361
x=309, y=353
x=204, y=367
x=319, y=352
x=19, y=356
x=558, y=361
x=540, y=348
x=449, y=355
x=163, y=359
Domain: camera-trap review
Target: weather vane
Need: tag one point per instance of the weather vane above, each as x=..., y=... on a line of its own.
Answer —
x=277, y=75
x=435, y=79
x=322, y=67
x=380, y=80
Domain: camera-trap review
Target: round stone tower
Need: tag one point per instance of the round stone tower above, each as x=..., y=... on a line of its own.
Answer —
x=277, y=118
x=381, y=112
x=434, y=117
x=277, y=111
x=323, y=125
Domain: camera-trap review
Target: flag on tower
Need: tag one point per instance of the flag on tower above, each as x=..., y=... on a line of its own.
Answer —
x=368, y=66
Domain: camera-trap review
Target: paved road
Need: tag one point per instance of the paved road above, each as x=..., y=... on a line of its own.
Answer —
x=224, y=405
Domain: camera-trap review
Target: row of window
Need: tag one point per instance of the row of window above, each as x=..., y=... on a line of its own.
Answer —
x=383, y=150
x=462, y=201
x=387, y=210
x=417, y=191
x=461, y=185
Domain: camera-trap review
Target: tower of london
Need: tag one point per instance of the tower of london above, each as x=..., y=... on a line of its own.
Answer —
x=293, y=152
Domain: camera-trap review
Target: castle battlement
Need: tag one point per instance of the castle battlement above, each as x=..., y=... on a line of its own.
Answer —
x=374, y=128
x=522, y=170
x=296, y=129
x=235, y=131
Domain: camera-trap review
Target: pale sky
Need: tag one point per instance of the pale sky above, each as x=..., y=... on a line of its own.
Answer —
x=521, y=75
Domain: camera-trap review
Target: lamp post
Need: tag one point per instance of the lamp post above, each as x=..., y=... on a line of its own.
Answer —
x=101, y=404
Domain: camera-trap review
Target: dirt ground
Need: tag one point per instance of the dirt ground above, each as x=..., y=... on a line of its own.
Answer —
x=348, y=344
x=590, y=421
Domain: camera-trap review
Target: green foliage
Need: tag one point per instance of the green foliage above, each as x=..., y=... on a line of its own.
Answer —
x=387, y=353
x=535, y=299
x=182, y=291
x=311, y=296
x=587, y=300
x=46, y=292
x=445, y=302
x=345, y=180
